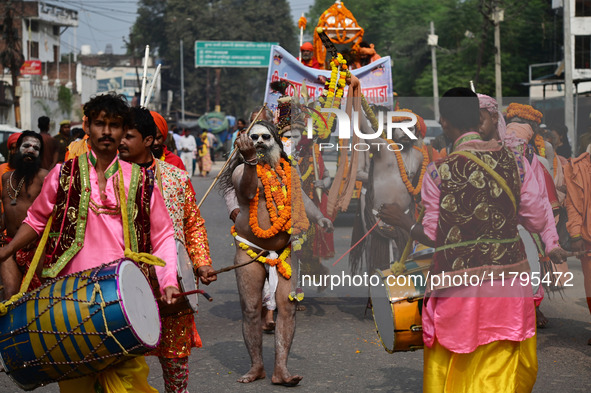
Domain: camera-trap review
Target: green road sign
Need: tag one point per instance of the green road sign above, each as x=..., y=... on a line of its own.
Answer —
x=232, y=54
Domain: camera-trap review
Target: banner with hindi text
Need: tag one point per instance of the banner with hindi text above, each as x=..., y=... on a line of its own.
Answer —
x=376, y=78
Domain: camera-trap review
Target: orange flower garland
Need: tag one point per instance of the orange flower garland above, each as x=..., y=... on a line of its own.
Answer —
x=274, y=191
x=540, y=145
x=412, y=190
x=278, y=196
x=526, y=112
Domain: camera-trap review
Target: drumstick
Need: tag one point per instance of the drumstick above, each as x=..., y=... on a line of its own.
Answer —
x=229, y=159
x=228, y=268
x=222, y=270
x=577, y=253
x=199, y=291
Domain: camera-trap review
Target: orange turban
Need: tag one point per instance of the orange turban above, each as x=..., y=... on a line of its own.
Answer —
x=307, y=46
x=160, y=123
x=520, y=130
x=12, y=139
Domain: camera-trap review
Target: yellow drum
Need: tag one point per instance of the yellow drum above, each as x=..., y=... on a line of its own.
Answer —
x=397, y=304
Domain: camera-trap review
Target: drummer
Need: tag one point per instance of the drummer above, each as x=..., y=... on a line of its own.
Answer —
x=496, y=348
x=81, y=198
x=179, y=333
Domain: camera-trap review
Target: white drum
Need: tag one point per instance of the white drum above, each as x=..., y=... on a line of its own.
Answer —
x=186, y=276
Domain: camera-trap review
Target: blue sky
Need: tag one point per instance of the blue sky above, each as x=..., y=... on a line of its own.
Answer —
x=108, y=22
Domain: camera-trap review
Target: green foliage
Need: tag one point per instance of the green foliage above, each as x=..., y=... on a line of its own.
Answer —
x=163, y=24
x=65, y=100
x=530, y=33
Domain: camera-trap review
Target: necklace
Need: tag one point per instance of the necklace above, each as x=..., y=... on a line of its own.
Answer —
x=15, y=191
x=404, y=173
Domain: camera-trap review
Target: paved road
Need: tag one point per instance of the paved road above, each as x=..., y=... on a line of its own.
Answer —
x=336, y=348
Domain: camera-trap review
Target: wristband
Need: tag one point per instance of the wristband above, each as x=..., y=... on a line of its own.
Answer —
x=254, y=162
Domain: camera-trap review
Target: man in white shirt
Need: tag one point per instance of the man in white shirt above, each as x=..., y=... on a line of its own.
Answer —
x=187, y=146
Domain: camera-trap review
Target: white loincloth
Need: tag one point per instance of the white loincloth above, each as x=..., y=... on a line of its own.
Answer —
x=271, y=282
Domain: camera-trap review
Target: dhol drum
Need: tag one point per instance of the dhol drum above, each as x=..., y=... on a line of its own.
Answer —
x=397, y=304
x=187, y=282
x=531, y=251
x=79, y=324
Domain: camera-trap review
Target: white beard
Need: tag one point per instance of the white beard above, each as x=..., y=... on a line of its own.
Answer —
x=271, y=156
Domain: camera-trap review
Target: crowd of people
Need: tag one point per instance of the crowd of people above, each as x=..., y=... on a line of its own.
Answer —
x=497, y=172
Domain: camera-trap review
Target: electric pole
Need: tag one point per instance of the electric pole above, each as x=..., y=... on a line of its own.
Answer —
x=432, y=42
x=498, y=17
x=569, y=118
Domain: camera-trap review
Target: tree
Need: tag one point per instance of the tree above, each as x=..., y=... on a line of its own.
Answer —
x=11, y=56
x=399, y=29
x=221, y=20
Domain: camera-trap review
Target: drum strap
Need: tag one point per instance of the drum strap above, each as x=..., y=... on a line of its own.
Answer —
x=492, y=172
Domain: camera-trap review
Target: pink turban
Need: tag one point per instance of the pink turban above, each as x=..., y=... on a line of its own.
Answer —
x=160, y=123
x=491, y=105
x=521, y=131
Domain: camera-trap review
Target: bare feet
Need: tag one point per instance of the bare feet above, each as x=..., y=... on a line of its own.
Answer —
x=253, y=374
x=285, y=379
x=269, y=327
x=300, y=307
x=541, y=319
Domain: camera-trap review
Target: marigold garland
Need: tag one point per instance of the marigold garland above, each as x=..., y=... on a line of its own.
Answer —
x=302, y=22
x=333, y=94
x=540, y=145
x=412, y=190
x=278, y=197
x=526, y=112
x=282, y=266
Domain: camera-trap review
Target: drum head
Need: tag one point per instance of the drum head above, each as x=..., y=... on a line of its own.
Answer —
x=382, y=312
x=531, y=251
x=187, y=279
x=138, y=304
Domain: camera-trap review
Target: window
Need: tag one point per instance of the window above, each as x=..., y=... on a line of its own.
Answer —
x=582, y=51
x=583, y=8
x=33, y=25
x=34, y=48
x=56, y=30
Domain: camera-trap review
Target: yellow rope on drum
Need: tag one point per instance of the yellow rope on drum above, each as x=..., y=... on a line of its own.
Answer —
x=103, y=304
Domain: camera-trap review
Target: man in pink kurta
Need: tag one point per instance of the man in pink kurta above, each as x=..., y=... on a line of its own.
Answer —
x=477, y=337
x=84, y=194
x=103, y=240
